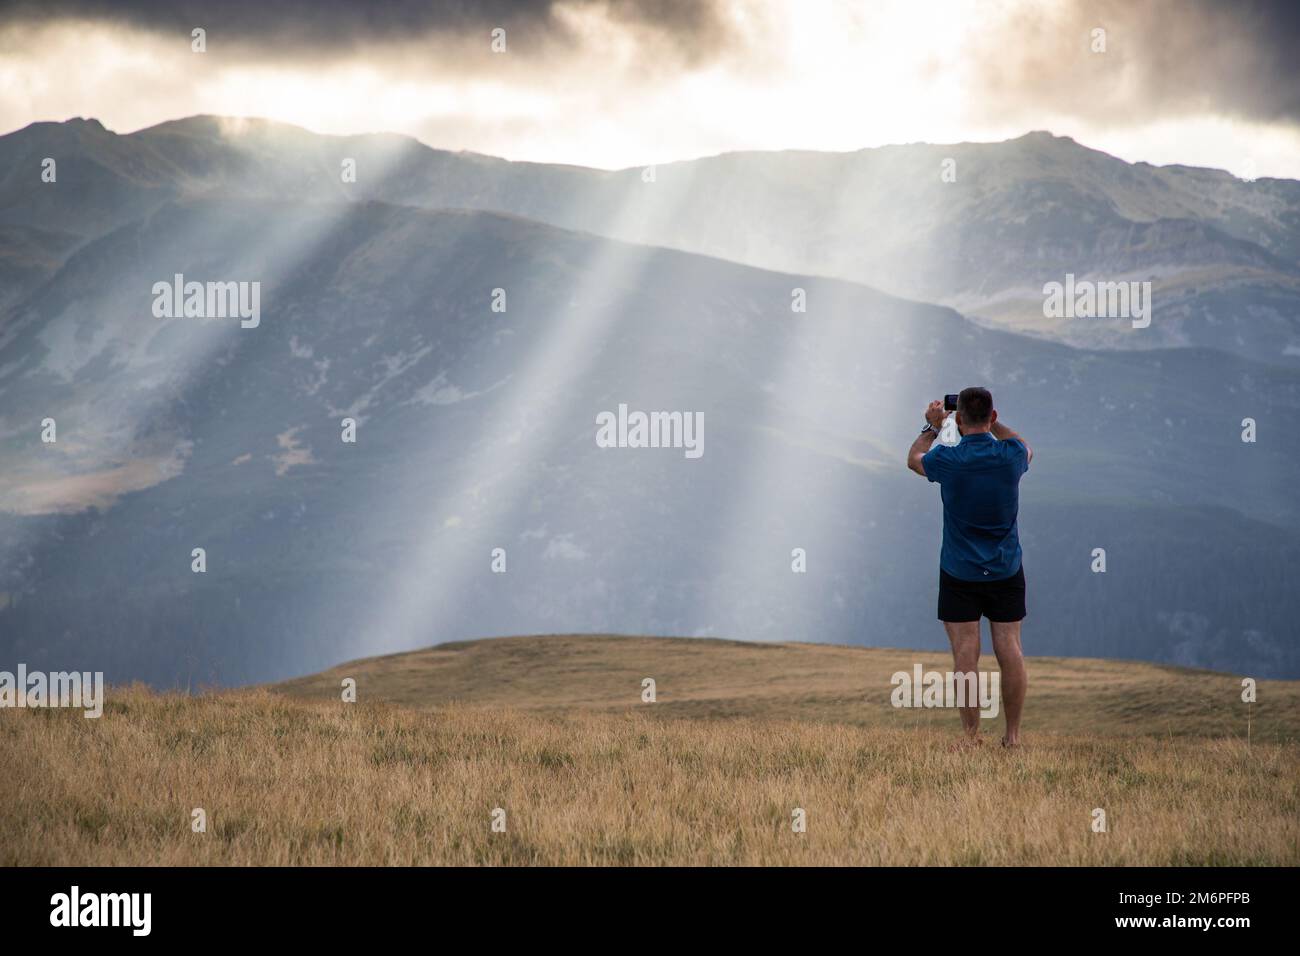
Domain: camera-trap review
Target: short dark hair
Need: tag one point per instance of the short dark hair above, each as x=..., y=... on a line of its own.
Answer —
x=975, y=405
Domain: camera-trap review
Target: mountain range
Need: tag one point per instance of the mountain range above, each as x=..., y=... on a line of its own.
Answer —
x=981, y=227
x=664, y=289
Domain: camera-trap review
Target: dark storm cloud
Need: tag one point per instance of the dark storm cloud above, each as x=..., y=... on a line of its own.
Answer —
x=1025, y=59
x=696, y=28
x=1164, y=58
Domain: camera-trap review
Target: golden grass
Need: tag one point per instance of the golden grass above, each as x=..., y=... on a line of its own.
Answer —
x=697, y=678
x=292, y=781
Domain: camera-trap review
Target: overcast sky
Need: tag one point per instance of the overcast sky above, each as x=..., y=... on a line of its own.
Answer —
x=616, y=83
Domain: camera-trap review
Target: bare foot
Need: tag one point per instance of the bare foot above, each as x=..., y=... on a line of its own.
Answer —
x=1011, y=742
x=966, y=743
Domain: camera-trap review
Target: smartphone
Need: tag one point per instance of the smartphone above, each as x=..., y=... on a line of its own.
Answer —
x=950, y=403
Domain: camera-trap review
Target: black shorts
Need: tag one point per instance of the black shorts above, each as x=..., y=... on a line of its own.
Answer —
x=1002, y=600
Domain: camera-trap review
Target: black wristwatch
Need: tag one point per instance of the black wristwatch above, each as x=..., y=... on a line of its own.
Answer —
x=929, y=428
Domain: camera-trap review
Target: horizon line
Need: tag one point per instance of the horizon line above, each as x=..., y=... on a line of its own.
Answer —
x=619, y=169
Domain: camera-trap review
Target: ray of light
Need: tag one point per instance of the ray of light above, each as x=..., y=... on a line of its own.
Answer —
x=515, y=443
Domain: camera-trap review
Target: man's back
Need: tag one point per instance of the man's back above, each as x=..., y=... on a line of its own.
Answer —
x=979, y=480
x=980, y=573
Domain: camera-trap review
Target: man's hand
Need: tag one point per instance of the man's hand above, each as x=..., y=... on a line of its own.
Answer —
x=934, y=413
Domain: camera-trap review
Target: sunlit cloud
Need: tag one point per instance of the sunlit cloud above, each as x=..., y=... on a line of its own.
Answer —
x=616, y=85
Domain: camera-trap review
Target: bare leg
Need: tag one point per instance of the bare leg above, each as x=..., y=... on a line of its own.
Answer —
x=965, y=640
x=1006, y=645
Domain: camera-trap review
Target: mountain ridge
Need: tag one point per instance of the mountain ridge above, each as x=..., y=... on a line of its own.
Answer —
x=1019, y=213
x=476, y=429
x=476, y=432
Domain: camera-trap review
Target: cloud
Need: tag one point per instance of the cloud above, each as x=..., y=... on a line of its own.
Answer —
x=689, y=31
x=1163, y=58
x=1018, y=57
x=620, y=83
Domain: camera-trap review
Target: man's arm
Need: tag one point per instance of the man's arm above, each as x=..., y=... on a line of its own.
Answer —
x=934, y=416
x=1003, y=433
x=918, y=450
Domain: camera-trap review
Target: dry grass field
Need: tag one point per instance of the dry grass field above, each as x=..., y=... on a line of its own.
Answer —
x=552, y=730
x=805, y=682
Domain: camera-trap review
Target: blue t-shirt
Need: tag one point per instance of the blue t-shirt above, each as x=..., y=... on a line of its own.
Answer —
x=979, y=480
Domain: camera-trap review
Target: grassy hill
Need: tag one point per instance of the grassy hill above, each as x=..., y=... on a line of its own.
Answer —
x=809, y=682
x=552, y=732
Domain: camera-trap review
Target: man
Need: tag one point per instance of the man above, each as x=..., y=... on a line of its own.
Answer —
x=980, y=573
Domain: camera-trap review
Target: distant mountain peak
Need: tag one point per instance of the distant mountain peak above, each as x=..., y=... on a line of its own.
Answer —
x=1043, y=134
x=74, y=124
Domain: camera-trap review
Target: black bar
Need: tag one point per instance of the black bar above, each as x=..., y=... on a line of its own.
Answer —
x=634, y=906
